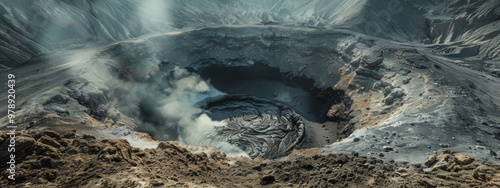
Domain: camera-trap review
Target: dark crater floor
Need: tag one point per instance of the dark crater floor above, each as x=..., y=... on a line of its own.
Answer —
x=264, y=81
x=262, y=127
x=269, y=112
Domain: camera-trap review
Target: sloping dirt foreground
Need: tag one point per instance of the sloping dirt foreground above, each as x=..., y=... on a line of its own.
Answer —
x=49, y=159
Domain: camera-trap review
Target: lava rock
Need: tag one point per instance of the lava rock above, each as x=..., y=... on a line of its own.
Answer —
x=430, y=161
x=355, y=154
x=47, y=150
x=257, y=167
x=367, y=72
x=51, y=134
x=387, y=148
x=463, y=159
x=86, y=136
x=25, y=144
x=157, y=183
x=267, y=179
x=389, y=100
x=332, y=180
x=406, y=80
x=49, y=141
x=307, y=166
x=58, y=99
x=70, y=134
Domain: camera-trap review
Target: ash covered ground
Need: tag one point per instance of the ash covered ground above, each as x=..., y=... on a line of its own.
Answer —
x=398, y=80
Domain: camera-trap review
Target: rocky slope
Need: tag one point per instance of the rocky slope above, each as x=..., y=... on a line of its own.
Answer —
x=51, y=159
x=398, y=79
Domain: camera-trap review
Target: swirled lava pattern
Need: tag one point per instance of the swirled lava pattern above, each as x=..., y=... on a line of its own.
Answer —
x=261, y=127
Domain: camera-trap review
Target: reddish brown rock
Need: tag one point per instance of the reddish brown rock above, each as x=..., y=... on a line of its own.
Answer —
x=463, y=159
x=430, y=161
x=114, y=163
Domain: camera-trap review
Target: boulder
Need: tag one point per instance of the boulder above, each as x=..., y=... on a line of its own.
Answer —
x=267, y=179
x=463, y=159
x=430, y=161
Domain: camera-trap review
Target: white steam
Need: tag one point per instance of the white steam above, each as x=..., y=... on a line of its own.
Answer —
x=193, y=127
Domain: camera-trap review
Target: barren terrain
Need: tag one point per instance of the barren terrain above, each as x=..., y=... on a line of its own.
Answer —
x=255, y=93
x=66, y=160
